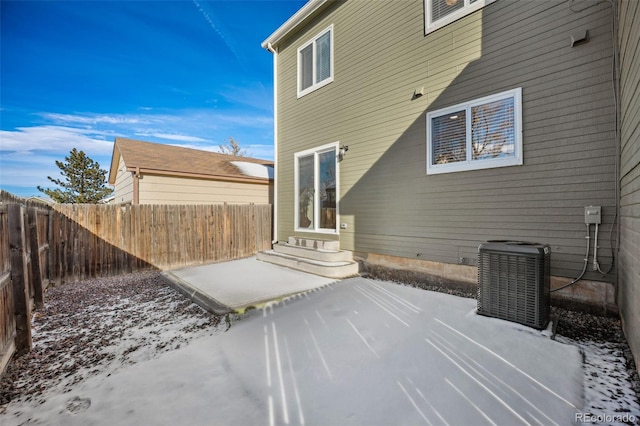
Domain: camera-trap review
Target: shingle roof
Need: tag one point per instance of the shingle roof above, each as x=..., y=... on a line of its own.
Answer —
x=158, y=158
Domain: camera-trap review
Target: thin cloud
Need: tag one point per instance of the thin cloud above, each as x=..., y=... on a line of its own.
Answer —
x=53, y=139
x=252, y=94
x=94, y=119
x=211, y=148
x=182, y=138
x=29, y=153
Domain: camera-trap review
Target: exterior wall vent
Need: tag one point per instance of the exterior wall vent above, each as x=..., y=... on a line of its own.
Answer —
x=514, y=282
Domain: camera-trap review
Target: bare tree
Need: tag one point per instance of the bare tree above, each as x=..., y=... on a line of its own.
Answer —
x=491, y=126
x=233, y=148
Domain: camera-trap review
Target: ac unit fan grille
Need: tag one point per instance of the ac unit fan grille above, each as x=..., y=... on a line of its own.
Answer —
x=514, y=284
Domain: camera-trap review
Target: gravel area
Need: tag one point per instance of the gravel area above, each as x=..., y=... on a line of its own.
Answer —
x=611, y=383
x=98, y=326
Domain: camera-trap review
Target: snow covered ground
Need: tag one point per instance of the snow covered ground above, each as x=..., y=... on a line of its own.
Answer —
x=98, y=327
x=129, y=350
x=608, y=391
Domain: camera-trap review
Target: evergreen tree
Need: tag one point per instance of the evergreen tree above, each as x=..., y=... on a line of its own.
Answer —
x=84, y=181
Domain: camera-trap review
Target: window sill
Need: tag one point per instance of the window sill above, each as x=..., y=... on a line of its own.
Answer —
x=314, y=87
x=474, y=165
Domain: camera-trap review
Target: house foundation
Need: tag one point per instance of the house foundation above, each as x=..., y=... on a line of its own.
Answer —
x=595, y=297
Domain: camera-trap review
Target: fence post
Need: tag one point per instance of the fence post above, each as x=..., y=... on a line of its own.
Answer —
x=36, y=270
x=17, y=247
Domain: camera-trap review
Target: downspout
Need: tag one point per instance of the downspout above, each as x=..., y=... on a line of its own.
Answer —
x=275, y=142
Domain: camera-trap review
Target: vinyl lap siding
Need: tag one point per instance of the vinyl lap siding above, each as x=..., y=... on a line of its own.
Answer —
x=124, y=184
x=388, y=202
x=175, y=190
x=629, y=262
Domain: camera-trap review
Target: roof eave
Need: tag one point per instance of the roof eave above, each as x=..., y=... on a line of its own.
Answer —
x=293, y=22
x=113, y=167
x=226, y=178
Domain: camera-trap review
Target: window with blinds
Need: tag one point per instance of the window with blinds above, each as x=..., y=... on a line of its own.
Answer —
x=478, y=134
x=315, y=62
x=439, y=13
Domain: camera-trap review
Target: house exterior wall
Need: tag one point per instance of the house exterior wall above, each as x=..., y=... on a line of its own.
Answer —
x=123, y=190
x=156, y=189
x=629, y=260
x=389, y=204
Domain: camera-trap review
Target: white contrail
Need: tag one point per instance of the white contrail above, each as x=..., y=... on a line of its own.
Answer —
x=217, y=30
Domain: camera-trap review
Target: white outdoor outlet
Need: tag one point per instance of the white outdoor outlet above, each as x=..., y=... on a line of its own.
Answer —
x=592, y=215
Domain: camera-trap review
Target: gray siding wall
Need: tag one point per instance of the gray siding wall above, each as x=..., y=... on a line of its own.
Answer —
x=388, y=202
x=629, y=262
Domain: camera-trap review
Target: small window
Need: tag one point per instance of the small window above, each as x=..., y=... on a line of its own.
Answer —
x=315, y=62
x=439, y=13
x=480, y=134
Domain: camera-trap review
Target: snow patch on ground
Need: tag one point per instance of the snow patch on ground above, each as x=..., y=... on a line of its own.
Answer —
x=96, y=328
x=608, y=390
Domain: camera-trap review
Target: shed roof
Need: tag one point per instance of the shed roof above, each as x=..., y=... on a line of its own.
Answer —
x=155, y=158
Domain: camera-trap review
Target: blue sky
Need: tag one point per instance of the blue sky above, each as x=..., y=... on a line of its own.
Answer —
x=76, y=74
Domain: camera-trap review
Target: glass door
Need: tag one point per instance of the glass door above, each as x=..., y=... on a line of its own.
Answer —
x=316, y=189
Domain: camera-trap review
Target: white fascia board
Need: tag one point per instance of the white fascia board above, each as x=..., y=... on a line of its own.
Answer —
x=291, y=23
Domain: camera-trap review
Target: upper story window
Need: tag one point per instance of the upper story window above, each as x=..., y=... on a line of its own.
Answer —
x=479, y=134
x=442, y=12
x=315, y=62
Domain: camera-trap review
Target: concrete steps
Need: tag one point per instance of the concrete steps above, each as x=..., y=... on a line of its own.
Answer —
x=319, y=257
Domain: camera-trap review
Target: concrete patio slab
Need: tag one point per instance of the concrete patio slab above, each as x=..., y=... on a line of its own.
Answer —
x=238, y=284
x=358, y=352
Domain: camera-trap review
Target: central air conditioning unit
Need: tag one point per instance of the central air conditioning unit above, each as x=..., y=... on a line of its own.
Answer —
x=514, y=282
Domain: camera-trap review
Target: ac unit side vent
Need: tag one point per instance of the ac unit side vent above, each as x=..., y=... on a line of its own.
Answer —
x=514, y=282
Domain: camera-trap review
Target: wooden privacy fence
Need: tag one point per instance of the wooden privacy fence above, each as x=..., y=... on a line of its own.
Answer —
x=24, y=250
x=91, y=240
x=40, y=245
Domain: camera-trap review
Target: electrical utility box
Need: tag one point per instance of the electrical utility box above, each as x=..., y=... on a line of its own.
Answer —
x=593, y=215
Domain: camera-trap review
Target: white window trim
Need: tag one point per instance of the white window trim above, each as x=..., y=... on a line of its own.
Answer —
x=316, y=208
x=514, y=160
x=466, y=10
x=314, y=86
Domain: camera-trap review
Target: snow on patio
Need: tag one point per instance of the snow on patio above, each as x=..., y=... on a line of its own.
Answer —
x=356, y=352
